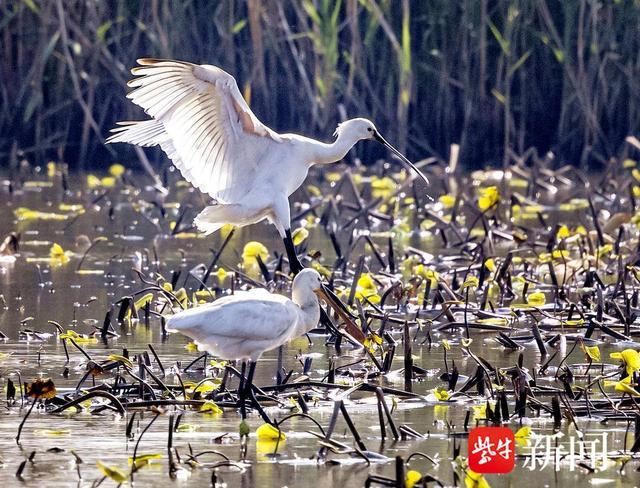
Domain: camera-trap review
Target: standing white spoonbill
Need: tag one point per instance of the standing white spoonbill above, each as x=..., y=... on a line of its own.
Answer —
x=201, y=121
x=244, y=325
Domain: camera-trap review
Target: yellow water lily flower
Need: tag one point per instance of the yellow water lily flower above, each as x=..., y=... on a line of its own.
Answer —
x=372, y=342
x=217, y=364
x=94, y=182
x=53, y=432
x=367, y=288
x=574, y=322
x=267, y=432
x=441, y=394
x=184, y=427
x=382, y=187
x=144, y=459
x=251, y=251
x=226, y=229
x=427, y=273
x=116, y=170
x=563, y=232
x=323, y=270
x=604, y=250
x=626, y=388
x=479, y=411
x=182, y=297
x=120, y=359
x=203, y=388
x=71, y=207
x=221, y=274
x=57, y=254
x=490, y=264
x=493, y=321
x=112, y=472
x=314, y=191
x=299, y=236
x=266, y=448
x=523, y=435
x=79, y=338
x=143, y=300
x=488, y=197
x=471, y=282
x=23, y=213
x=475, y=480
x=427, y=224
x=412, y=478
x=592, y=352
x=447, y=200
x=630, y=358
x=536, y=298
x=210, y=407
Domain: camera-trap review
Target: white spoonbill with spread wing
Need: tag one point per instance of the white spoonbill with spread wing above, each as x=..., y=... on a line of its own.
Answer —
x=244, y=325
x=202, y=122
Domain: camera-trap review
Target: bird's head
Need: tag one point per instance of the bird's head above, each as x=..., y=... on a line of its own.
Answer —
x=307, y=279
x=357, y=129
x=305, y=284
x=360, y=128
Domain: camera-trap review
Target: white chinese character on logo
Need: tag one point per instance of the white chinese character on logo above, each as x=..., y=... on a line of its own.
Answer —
x=485, y=448
x=504, y=448
x=541, y=453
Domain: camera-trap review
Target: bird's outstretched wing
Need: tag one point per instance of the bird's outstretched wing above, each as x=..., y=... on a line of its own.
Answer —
x=202, y=122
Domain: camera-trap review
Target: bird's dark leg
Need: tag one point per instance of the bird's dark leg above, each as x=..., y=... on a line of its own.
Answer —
x=249, y=392
x=242, y=391
x=294, y=263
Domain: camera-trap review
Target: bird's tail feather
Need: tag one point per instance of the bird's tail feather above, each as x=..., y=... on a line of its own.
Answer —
x=183, y=321
x=212, y=218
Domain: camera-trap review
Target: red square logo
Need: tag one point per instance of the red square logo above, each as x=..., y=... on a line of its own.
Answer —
x=491, y=450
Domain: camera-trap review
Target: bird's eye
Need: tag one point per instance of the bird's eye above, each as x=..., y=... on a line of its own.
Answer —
x=370, y=129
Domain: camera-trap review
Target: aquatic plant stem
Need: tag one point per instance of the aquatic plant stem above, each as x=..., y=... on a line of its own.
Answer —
x=33, y=404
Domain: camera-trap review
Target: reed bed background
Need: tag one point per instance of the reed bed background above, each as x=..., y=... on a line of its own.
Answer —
x=497, y=77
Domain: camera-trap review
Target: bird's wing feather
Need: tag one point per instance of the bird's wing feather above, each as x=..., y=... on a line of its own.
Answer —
x=146, y=133
x=214, y=138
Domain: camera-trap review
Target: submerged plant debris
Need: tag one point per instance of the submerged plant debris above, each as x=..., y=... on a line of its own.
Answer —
x=510, y=298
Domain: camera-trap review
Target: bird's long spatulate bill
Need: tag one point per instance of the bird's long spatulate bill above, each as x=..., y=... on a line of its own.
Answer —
x=350, y=327
x=384, y=142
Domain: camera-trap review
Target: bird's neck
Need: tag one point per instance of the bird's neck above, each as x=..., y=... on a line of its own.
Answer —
x=309, y=314
x=335, y=151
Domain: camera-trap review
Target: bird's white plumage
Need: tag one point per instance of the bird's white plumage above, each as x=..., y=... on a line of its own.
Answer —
x=244, y=325
x=202, y=122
